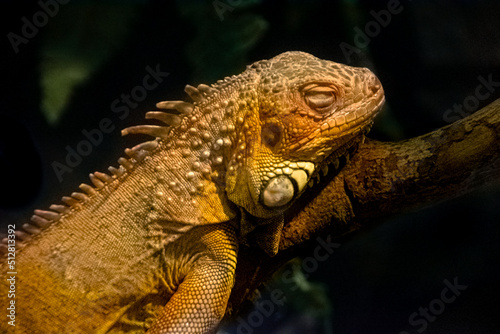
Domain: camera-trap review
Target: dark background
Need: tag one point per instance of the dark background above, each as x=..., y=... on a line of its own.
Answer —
x=428, y=57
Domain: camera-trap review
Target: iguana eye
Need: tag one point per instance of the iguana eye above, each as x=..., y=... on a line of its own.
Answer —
x=320, y=98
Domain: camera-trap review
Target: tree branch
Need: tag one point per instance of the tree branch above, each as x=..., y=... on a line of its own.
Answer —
x=383, y=179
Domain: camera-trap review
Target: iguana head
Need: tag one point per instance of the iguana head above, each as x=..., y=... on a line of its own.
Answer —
x=300, y=113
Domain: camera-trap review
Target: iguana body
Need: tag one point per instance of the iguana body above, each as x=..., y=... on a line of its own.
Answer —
x=153, y=246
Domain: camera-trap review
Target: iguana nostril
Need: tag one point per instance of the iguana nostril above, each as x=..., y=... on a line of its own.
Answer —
x=278, y=192
x=374, y=84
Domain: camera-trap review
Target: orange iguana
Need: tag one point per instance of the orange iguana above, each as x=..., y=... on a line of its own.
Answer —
x=152, y=247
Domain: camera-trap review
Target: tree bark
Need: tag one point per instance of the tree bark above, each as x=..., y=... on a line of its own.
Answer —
x=382, y=179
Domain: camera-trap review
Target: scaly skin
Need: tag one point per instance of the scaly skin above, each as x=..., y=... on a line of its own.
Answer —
x=152, y=247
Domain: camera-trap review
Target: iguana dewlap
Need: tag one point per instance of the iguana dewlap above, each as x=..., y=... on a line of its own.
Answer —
x=152, y=247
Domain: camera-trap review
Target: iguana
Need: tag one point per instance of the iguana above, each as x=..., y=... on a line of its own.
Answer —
x=152, y=246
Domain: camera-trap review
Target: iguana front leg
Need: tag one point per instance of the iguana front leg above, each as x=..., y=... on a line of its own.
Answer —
x=200, y=301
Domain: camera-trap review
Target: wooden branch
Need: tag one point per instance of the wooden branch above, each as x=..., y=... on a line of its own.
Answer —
x=383, y=179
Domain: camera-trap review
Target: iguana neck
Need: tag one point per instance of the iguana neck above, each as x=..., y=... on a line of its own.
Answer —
x=191, y=162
